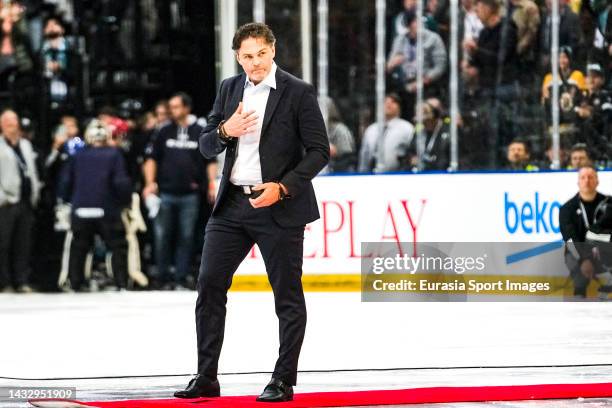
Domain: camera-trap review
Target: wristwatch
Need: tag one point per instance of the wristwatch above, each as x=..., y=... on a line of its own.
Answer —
x=221, y=133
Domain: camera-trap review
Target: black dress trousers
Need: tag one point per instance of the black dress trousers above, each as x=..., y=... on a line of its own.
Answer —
x=230, y=235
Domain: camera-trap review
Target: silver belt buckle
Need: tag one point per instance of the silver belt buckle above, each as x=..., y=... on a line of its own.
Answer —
x=246, y=189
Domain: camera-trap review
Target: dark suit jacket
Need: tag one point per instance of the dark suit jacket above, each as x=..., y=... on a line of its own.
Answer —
x=572, y=224
x=293, y=147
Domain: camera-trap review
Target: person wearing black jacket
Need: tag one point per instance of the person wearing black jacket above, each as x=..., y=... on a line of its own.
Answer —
x=575, y=218
x=176, y=171
x=97, y=185
x=497, y=65
x=270, y=126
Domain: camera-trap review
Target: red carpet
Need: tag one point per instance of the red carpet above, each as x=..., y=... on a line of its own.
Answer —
x=382, y=397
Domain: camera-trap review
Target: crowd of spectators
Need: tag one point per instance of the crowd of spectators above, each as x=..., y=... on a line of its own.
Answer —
x=505, y=91
x=85, y=196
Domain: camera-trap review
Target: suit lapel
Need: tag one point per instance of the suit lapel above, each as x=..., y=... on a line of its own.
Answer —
x=274, y=99
x=235, y=97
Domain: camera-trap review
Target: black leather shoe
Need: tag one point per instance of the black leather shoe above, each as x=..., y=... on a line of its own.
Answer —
x=276, y=391
x=200, y=386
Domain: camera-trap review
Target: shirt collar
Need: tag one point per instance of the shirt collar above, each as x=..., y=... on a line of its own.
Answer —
x=269, y=80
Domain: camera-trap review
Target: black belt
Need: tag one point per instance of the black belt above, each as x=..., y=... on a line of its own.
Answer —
x=245, y=190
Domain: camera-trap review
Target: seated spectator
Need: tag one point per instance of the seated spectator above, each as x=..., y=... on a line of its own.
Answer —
x=579, y=157
x=399, y=27
x=343, y=157
x=519, y=156
x=570, y=95
x=571, y=79
x=402, y=63
x=576, y=218
x=97, y=185
x=436, y=134
x=595, y=113
x=547, y=163
x=385, y=144
x=19, y=192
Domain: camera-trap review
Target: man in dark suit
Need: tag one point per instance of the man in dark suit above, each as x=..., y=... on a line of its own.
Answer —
x=270, y=126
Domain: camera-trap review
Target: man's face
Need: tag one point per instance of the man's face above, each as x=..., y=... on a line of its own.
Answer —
x=517, y=153
x=72, y=128
x=9, y=123
x=161, y=113
x=483, y=11
x=579, y=158
x=595, y=80
x=53, y=28
x=412, y=28
x=587, y=180
x=392, y=108
x=256, y=56
x=178, y=110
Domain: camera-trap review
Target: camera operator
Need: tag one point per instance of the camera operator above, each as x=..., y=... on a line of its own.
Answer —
x=577, y=219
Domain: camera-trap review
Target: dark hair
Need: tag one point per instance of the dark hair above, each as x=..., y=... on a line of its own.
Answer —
x=54, y=17
x=579, y=147
x=107, y=110
x=252, y=30
x=161, y=102
x=523, y=142
x=494, y=4
x=395, y=96
x=409, y=17
x=185, y=99
x=567, y=50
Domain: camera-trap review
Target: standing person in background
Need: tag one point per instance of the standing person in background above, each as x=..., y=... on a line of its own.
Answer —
x=494, y=59
x=176, y=171
x=162, y=115
x=58, y=65
x=19, y=192
x=97, y=185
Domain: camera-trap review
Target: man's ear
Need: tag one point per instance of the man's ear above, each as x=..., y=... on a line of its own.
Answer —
x=273, y=48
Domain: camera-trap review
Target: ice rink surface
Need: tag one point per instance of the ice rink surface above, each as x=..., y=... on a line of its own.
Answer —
x=153, y=334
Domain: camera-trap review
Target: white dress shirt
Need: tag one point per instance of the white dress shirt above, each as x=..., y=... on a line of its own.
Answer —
x=380, y=153
x=247, y=167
